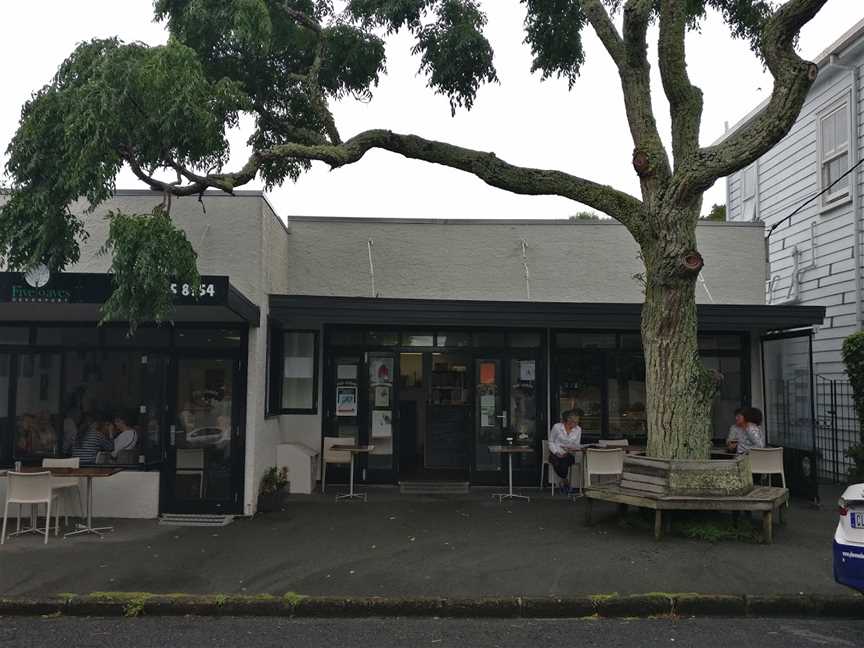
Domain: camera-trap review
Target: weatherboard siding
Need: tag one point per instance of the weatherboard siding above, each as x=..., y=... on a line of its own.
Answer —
x=787, y=177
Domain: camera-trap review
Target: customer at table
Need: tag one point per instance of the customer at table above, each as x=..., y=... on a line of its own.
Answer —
x=737, y=428
x=96, y=439
x=564, y=438
x=126, y=437
x=750, y=435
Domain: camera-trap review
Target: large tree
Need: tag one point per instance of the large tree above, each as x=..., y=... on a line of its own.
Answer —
x=167, y=108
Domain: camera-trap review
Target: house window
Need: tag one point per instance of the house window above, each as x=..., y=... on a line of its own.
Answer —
x=749, y=186
x=833, y=138
x=293, y=371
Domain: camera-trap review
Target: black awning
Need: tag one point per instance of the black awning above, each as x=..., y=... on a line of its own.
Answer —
x=442, y=312
x=77, y=296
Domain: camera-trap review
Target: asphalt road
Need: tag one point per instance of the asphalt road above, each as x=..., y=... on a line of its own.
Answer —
x=435, y=633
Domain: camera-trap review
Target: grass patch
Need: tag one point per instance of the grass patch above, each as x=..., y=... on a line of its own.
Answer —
x=292, y=598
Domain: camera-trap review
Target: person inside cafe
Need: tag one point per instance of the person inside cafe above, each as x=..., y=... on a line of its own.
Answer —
x=96, y=439
x=565, y=438
x=735, y=429
x=126, y=437
x=749, y=434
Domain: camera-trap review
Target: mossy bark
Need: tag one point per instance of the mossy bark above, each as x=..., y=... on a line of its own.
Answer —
x=680, y=390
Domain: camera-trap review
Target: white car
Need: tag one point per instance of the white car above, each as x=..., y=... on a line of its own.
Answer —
x=849, y=539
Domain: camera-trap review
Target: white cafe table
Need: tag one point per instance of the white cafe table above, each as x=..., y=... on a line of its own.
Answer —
x=354, y=450
x=510, y=451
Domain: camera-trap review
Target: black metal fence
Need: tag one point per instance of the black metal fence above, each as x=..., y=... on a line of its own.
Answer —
x=836, y=427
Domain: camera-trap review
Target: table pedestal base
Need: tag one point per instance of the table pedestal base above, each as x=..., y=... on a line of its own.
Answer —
x=88, y=527
x=351, y=494
x=510, y=494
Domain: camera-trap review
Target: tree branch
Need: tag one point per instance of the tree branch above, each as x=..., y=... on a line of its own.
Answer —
x=793, y=77
x=685, y=99
x=605, y=29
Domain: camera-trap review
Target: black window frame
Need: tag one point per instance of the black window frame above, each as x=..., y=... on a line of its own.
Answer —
x=275, y=363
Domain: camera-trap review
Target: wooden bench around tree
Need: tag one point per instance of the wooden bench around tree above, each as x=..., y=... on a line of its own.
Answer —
x=645, y=483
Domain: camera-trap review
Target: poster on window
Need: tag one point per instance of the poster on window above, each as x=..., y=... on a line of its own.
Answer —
x=487, y=373
x=382, y=426
x=527, y=371
x=346, y=400
x=382, y=396
x=381, y=371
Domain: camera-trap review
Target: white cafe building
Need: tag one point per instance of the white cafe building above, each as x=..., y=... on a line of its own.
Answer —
x=430, y=339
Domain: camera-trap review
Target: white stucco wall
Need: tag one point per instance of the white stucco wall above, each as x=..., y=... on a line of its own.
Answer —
x=581, y=261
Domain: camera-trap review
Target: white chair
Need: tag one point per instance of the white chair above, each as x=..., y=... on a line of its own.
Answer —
x=190, y=461
x=546, y=467
x=600, y=461
x=330, y=456
x=767, y=461
x=69, y=488
x=32, y=489
x=613, y=443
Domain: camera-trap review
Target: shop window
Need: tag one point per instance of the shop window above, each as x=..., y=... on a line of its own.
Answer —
x=625, y=386
x=382, y=338
x=5, y=423
x=490, y=340
x=524, y=340
x=586, y=340
x=148, y=336
x=67, y=336
x=345, y=338
x=14, y=335
x=720, y=342
x=208, y=338
x=38, y=422
x=453, y=339
x=293, y=371
x=418, y=339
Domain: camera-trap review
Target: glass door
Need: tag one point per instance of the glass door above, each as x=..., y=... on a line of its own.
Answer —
x=449, y=412
x=204, y=464
x=492, y=422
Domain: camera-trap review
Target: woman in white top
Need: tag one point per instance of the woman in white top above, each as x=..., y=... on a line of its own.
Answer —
x=564, y=438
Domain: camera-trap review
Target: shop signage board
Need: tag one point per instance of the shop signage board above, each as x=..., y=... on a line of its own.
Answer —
x=40, y=286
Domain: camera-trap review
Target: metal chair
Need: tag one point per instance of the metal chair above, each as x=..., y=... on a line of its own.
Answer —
x=546, y=466
x=613, y=443
x=600, y=461
x=33, y=489
x=330, y=456
x=69, y=487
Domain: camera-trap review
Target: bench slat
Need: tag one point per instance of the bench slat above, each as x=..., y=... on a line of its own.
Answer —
x=647, y=479
x=644, y=487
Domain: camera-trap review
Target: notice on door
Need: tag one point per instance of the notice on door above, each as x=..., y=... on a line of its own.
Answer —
x=527, y=371
x=487, y=373
x=346, y=401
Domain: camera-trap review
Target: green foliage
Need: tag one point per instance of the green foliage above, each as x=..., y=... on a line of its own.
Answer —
x=853, y=357
x=716, y=213
x=274, y=480
x=148, y=253
x=585, y=216
x=554, y=32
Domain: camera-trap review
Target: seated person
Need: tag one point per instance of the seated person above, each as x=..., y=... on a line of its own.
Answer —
x=126, y=437
x=564, y=438
x=735, y=429
x=750, y=434
x=96, y=439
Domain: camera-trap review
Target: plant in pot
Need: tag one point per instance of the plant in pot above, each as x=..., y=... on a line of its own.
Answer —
x=270, y=493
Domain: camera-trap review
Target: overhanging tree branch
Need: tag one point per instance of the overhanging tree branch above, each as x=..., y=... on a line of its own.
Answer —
x=793, y=77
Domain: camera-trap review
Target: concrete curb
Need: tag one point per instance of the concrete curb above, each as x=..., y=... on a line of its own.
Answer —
x=133, y=604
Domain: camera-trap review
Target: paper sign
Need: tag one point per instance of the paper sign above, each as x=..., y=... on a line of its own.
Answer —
x=487, y=402
x=487, y=373
x=382, y=396
x=486, y=420
x=346, y=372
x=527, y=370
x=346, y=401
x=381, y=425
x=381, y=371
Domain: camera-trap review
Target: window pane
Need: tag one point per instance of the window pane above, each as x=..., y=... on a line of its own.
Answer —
x=208, y=338
x=417, y=339
x=5, y=423
x=347, y=398
x=523, y=407
x=113, y=403
x=411, y=370
x=580, y=378
x=626, y=389
x=841, y=128
x=833, y=170
x=67, y=336
x=298, y=377
x=828, y=137
x=729, y=398
x=381, y=410
x=382, y=338
x=749, y=209
x=586, y=340
x=719, y=342
x=453, y=340
x=631, y=342
x=490, y=340
x=14, y=335
x=37, y=405
x=789, y=394
x=526, y=340
x=346, y=337
x=748, y=188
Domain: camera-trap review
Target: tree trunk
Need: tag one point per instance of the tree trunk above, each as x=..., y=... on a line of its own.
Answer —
x=680, y=390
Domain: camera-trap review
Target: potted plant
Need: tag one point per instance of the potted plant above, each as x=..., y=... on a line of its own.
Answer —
x=270, y=493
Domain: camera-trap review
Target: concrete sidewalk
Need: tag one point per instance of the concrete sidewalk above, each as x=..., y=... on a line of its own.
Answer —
x=424, y=546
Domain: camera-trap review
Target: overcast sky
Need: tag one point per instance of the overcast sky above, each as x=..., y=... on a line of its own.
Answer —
x=522, y=120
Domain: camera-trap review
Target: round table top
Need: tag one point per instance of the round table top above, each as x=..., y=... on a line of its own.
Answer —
x=510, y=449
x=352, y=448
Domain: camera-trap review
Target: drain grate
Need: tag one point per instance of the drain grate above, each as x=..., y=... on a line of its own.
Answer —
x=188, y=520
